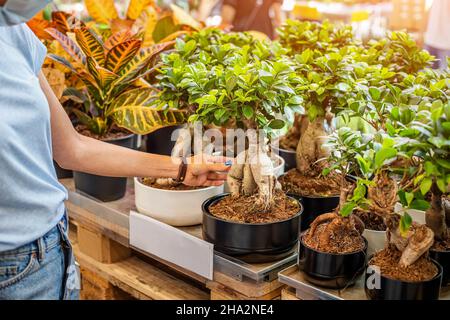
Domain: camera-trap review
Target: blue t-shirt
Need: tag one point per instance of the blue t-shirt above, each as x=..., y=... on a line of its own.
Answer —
x=31, y=198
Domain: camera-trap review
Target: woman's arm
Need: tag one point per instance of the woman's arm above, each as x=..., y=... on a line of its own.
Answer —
x=76, y=152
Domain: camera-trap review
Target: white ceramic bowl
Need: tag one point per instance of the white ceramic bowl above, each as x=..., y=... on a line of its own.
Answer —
x=417, y=215
x=176, y=208
x=376, y=240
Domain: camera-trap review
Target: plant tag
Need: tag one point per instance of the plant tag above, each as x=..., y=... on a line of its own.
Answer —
x=171, y=244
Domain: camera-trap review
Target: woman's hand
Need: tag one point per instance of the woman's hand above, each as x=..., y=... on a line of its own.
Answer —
x=205, y=171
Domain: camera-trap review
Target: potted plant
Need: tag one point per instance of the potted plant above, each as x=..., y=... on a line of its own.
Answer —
x=427, y=143
x=235, y=81
x=112, y=104
x=404, y=269
x=188, y=83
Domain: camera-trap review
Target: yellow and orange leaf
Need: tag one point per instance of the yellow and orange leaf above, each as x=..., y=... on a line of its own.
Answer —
x=65, y=22
x=136, y=7
x=121, y=54
x=102, y=11
x=68, y=44
x=117, y=38
x=102, y=76
x=147, y=22
x=38, y=25
x=183, y=18
x=90, y=44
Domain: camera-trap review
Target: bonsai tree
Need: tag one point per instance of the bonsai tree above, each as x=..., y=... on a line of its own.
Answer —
x=303, y=36
x=427, y=143
x=110, y=70
x=234, y=80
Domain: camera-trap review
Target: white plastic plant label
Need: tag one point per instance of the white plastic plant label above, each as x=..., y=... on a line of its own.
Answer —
x=171, y=244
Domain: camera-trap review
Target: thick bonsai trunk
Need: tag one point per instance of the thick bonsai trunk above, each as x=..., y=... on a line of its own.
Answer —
x=382, y=194
x=437, y=215
x=310, y=149
x=413, y=244
x=253, y=173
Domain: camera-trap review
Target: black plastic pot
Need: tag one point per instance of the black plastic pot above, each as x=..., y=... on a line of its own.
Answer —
x=443, y=258
x=160, y=141
x=104, y=188
x=331, y=270
x=314, y=207
x=253, y=243
x=390, y=289
x=289, y=157
x=62, y=173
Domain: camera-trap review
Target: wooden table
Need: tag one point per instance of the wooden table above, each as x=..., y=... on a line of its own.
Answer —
x=111, y=268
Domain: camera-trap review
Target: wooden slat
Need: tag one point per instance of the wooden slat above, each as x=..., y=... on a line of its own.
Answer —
x=288, y=293
x=141, y=280
x=247, y=288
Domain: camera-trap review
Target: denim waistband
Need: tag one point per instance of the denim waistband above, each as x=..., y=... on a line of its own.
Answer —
x=42, y=245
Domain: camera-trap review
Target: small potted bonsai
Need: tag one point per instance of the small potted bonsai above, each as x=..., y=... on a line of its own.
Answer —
x=111, y=105
x=192, y=81
x=404, y=269
x=232, y=80
x=332, y=251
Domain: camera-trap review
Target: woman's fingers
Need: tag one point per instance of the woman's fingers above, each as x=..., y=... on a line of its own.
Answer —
x=217, y=176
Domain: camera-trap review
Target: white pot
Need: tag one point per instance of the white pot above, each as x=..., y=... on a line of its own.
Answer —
x=176, y=208
x=278, y=169
x=417, y=215
x=376, y=240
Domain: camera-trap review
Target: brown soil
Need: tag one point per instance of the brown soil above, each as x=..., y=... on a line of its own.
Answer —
x=340, y=242
x=151, y=182
x=243, y=209
x=294, y=182
x=388, y=262
x=289, y=141
x=114, y=133
x=371, y=220
x=442, y=245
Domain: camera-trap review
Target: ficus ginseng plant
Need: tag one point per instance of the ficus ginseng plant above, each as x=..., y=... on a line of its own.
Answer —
x=426, y=140
x=232, y=79
x=110, y=69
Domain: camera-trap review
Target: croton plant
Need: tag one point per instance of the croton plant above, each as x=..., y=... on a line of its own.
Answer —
x=110, y=70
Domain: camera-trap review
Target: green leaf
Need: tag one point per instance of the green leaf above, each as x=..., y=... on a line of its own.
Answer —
x=419, y=204
x=347, y=209
x=285, y=88
x=441, y=185
x=425, y=185
x=375, y=93
x=276, y=124
x=384, y=154
x=443, y=163
x=247, y=111
x=405, y=224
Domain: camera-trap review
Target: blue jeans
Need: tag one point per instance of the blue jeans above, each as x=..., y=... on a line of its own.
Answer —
x=441, y=56
x=43, y=270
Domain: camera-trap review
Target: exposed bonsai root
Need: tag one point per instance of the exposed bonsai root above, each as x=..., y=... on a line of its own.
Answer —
x=253, y=172
x=335, y=224
x=416, y=242
x=382, y=195
x=436, y=215
x=311, y=152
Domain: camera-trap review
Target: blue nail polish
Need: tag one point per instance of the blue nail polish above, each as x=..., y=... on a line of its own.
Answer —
x=228, y=163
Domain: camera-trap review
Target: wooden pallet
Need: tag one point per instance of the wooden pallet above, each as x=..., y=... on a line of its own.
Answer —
x=103, y=251
x=110, y=270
